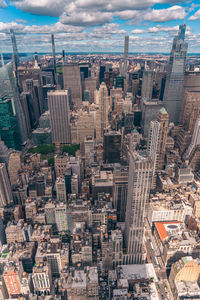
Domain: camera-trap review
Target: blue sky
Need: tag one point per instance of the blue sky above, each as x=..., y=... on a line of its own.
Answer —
x=98, y=25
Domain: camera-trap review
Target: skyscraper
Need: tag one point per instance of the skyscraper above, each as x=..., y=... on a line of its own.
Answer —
x=103, y=107
x=15, y=52
x=58, y=103
x=195, y=138
x=9, y=88
x=72, y=81
x=61, y=194
x=5, y=189
x=126, y=44
x=152, y=148
x=139, y=182
x=9, y=131
x=112, y=147
x=147, y=85
x=175, y=76
x=163, y=119
x=54, y=55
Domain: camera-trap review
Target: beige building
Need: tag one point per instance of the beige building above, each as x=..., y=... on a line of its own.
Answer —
x=14, y=165
x=58, y=103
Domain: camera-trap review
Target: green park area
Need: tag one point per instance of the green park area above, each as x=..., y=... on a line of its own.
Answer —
x=47, y=151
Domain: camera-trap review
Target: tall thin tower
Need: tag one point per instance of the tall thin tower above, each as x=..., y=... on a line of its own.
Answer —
x=54, y=56
x=175, y=76
x=15, y=53
x=126, y=44
x=139, y=182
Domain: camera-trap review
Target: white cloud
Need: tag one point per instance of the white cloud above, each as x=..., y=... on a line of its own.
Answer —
x=196, y=16
x=160, y=28
x=84, y=18
x=163, y=15
x=138, y=31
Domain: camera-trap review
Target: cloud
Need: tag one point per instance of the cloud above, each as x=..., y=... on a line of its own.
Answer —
x=163, y=15
x=138, y=31
x=21, y=21
x=86, y=18
x=35, y=29
x=196, y=16
x=3, y=4
x=160, y=28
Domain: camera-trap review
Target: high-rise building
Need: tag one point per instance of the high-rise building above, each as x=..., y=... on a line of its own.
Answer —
x=63, y=217
x=58, y=103
x=9, y=88
x=152, y=148
x=15, y=52
x=147, y=85
x=8, y=124
x=54, y=56
x=72, y=81
x=139, y=183
x=61, y=194
x=163, y=119
x=5, y=189
x=195, y=138
x=103, y=107
x=112, y=147
x=120, y=188
x=14, y=165
x=126, y=44
x=175, y=76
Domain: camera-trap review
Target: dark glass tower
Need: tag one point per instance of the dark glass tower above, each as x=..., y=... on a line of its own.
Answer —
x=8, y=124
x=175, y=76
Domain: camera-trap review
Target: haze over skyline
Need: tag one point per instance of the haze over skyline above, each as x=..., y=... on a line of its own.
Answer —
x=98, y=26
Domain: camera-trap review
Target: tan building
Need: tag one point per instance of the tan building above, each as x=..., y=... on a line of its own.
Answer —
x=14, y=232
x=14, y=165
x=61, y=164
x=72, y=81
x=163, y=119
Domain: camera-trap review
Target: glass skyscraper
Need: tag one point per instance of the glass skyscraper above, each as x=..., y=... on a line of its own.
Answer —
x=8, y=124
x=175, y=76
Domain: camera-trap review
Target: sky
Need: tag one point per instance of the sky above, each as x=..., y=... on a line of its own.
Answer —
x=98, y=25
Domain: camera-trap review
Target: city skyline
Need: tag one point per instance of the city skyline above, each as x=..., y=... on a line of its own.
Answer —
x=85, y=26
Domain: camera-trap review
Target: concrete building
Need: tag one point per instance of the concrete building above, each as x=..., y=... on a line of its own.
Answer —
x=5, y=189
x=163, y=119
x=61, y=194
x=147, y=85
x=139, y=183
x=42, y=279
x=58, y=103
x=103, y=107
x=112, y=147
x=14, y=165
x=72, y=81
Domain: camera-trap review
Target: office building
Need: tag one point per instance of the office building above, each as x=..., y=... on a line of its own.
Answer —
x=14, y=165
x=139, y=183
x=63, y=218
x=152, y=148
x=54, y=56
x=120, y=188
x=150, y=110
x=112, y=147
x=9, y=88
x=72, y=81
x=11, y=278
x=42, y=278
x=195, y=138
x=175, y=76
x=163, y=119
x=103, y=107
x=61, y=189
x=58, y=103
x=126, y=44
x=5, y=189
x=147, y=85
x=9, y=130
